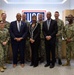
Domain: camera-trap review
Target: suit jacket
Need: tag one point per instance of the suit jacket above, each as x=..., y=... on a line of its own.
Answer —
x=36, y=32
x=52, y=31
x=14, y=30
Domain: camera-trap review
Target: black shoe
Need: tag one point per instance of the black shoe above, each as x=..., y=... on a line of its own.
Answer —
x=35, y=65
x=52, y=66
x=31, y=64
x=42, y=60
x=59, y=62
x=46, y=65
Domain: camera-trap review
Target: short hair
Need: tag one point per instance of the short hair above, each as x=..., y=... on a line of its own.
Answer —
x=70, y=15
x=3, y=13
x=34, y=16
x=56, y=12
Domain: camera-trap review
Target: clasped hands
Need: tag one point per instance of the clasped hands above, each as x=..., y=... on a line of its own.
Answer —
x=18, y=39
x=48, y=37
x=68, y=40
x=32, y=40
x=4, y=43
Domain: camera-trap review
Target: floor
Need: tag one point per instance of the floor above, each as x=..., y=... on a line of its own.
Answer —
x=40, y=70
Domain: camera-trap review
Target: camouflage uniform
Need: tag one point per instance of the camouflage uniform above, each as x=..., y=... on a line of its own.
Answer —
x=28, y=51
x=59, y=38
x=3, y=49
x=7, y=25
x=69, y=34
x=42, y=45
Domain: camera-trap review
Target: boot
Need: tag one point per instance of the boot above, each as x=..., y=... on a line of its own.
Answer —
x=59, y=62
x=67, y=63
x=1, y=69
x=4, y=67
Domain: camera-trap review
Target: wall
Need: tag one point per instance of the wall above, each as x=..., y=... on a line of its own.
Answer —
x=12, y=9
x=72, y=4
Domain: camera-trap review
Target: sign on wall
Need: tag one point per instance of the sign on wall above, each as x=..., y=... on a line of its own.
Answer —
x=29, y=14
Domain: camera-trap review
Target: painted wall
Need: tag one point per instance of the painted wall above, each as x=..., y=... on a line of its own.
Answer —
x=12, y=9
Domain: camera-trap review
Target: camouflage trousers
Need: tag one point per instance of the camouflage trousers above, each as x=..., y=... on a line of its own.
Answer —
x=1, y=56
x=28, y=51
x=59, y=48
x=69, y=48
x=5, y=48
x=41, y=50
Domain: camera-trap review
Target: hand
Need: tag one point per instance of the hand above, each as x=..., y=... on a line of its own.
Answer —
x=32, y=41
x=57, y=34
x=68, y=40
x=48, y=37
x=4, y=43
x=18, y=39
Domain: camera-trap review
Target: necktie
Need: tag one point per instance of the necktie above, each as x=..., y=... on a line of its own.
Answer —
x=19, y=27
x=48, y=24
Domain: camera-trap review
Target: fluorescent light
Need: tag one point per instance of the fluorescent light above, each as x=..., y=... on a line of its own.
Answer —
x=34, y=3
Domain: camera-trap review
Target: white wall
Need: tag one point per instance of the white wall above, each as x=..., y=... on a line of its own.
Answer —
x=12, y=9
x=72, y=4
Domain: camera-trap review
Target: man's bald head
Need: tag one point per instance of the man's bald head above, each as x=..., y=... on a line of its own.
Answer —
x=70, y=18
x=23, y=17
x=48, y=15
x=18, y=17
x=40, y=17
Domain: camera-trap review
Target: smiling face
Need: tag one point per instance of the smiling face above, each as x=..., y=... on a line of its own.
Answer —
x=70, y=18
x=23, y=17
x=56, y=15
x=48, y=15
x=34, y=19
x=3, y=15
x=18, y=17
x=40, y=17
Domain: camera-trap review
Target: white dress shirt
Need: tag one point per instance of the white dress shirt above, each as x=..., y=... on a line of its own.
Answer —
x=18, y=25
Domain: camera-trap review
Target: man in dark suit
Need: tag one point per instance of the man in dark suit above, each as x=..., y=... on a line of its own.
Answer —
x=18, y=34
x=50, y=30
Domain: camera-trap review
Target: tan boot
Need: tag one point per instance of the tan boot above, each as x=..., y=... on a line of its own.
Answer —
x=67, y=63
x=4, y=67
x=1, y=69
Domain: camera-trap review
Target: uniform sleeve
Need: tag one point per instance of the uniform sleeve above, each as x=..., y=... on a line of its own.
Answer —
x=64, y=33
x=8, y=36
x=73, y=35
x=60, y=32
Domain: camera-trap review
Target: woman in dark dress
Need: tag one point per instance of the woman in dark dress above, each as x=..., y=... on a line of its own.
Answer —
x=34, y=31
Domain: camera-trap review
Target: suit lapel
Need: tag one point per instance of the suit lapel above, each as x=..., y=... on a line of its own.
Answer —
x=50, y=24
x=46, y=25
x=16, y=25
x=21, y=26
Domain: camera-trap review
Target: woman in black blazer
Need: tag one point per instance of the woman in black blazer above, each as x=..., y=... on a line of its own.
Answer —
x=34, y=31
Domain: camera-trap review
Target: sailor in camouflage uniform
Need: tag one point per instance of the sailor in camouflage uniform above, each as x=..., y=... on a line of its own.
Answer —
x=28, y=51
x=69, y=38
x=7, y=25
x=42, y=45
x=3, y=45
x=59, y=37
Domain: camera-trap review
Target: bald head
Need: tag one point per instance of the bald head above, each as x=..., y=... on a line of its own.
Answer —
x=23, y=17
x=40, y=17
x=48, y=15
x=18, y=17
x=70, y=18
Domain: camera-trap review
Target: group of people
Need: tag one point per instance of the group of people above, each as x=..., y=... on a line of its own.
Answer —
x=39, y=40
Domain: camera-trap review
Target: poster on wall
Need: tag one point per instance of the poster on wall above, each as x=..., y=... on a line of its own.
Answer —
x=30, y=13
